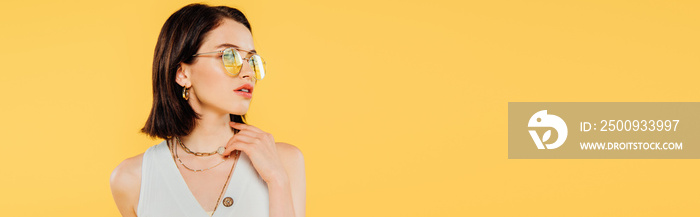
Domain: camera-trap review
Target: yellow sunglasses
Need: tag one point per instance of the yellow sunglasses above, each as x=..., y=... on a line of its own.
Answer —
x=233, y=61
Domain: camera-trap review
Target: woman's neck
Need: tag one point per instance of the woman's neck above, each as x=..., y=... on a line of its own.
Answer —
x=210, y=132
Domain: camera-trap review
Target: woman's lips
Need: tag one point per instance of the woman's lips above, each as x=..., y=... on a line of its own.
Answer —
x=244, y=94
x=248, y=93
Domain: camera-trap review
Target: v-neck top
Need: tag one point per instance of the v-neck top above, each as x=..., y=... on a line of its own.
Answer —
x=164, y=191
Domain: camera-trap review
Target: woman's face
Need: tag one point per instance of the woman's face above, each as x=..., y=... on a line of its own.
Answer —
x=211, y=88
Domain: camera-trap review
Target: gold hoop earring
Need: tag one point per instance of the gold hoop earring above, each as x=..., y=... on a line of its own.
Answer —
x=186, y=93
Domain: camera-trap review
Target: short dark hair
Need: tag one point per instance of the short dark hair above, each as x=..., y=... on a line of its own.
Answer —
x=179, y=39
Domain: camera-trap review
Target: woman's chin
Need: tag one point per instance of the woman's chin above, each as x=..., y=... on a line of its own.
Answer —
x=237, y=109
x=238, y=112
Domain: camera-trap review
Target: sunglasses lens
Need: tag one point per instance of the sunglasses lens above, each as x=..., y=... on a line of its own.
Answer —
x=232, y=61
x=258, y=65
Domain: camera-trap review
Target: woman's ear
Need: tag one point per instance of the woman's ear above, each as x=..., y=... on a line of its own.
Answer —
x=182, y=76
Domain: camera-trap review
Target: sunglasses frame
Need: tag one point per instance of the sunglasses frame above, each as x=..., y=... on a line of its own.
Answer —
x=240, y=67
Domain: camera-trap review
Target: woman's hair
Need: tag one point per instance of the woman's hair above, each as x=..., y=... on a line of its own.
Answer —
x=179, y=39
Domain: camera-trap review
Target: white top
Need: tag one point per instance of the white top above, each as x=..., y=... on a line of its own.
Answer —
x=165, y=193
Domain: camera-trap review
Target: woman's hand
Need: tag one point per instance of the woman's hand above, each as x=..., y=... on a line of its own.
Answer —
x=261, y=149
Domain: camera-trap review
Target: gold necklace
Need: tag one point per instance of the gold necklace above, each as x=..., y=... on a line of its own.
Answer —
x=219, y=150
x=238, y=153
x=223, y=189
x=198, y=170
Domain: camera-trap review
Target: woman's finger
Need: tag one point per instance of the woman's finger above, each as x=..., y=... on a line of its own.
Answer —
x=238, y=142
x=241, y=126
x=264, y=137
x=246, y=133
x=245, y=138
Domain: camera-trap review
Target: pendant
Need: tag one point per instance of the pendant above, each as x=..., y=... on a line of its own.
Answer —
x=228, y=201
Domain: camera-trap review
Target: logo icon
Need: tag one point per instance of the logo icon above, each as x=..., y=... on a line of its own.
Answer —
x=542, y=119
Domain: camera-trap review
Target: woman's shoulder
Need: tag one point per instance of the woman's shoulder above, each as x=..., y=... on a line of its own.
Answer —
x=288, y=148
x=125, y=183
x=293, y=161
x=290, y=153
x=127, y=171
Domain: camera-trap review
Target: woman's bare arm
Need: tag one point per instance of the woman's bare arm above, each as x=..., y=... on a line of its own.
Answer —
x=292, y=189
x=125, y=182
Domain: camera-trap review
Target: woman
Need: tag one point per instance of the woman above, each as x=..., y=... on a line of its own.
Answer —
x=210, y=162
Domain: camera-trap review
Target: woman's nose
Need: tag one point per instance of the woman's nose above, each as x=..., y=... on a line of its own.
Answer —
x=247, y=71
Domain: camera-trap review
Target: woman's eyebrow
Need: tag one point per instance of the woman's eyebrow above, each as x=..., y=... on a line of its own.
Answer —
x=233, y=45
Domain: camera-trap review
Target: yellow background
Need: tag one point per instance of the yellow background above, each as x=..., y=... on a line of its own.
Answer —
x=400, y=107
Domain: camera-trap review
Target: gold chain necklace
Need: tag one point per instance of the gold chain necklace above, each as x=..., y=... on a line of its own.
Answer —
x=219, y=151
x=198, y=170
x=238, y=153
x=223, y=189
